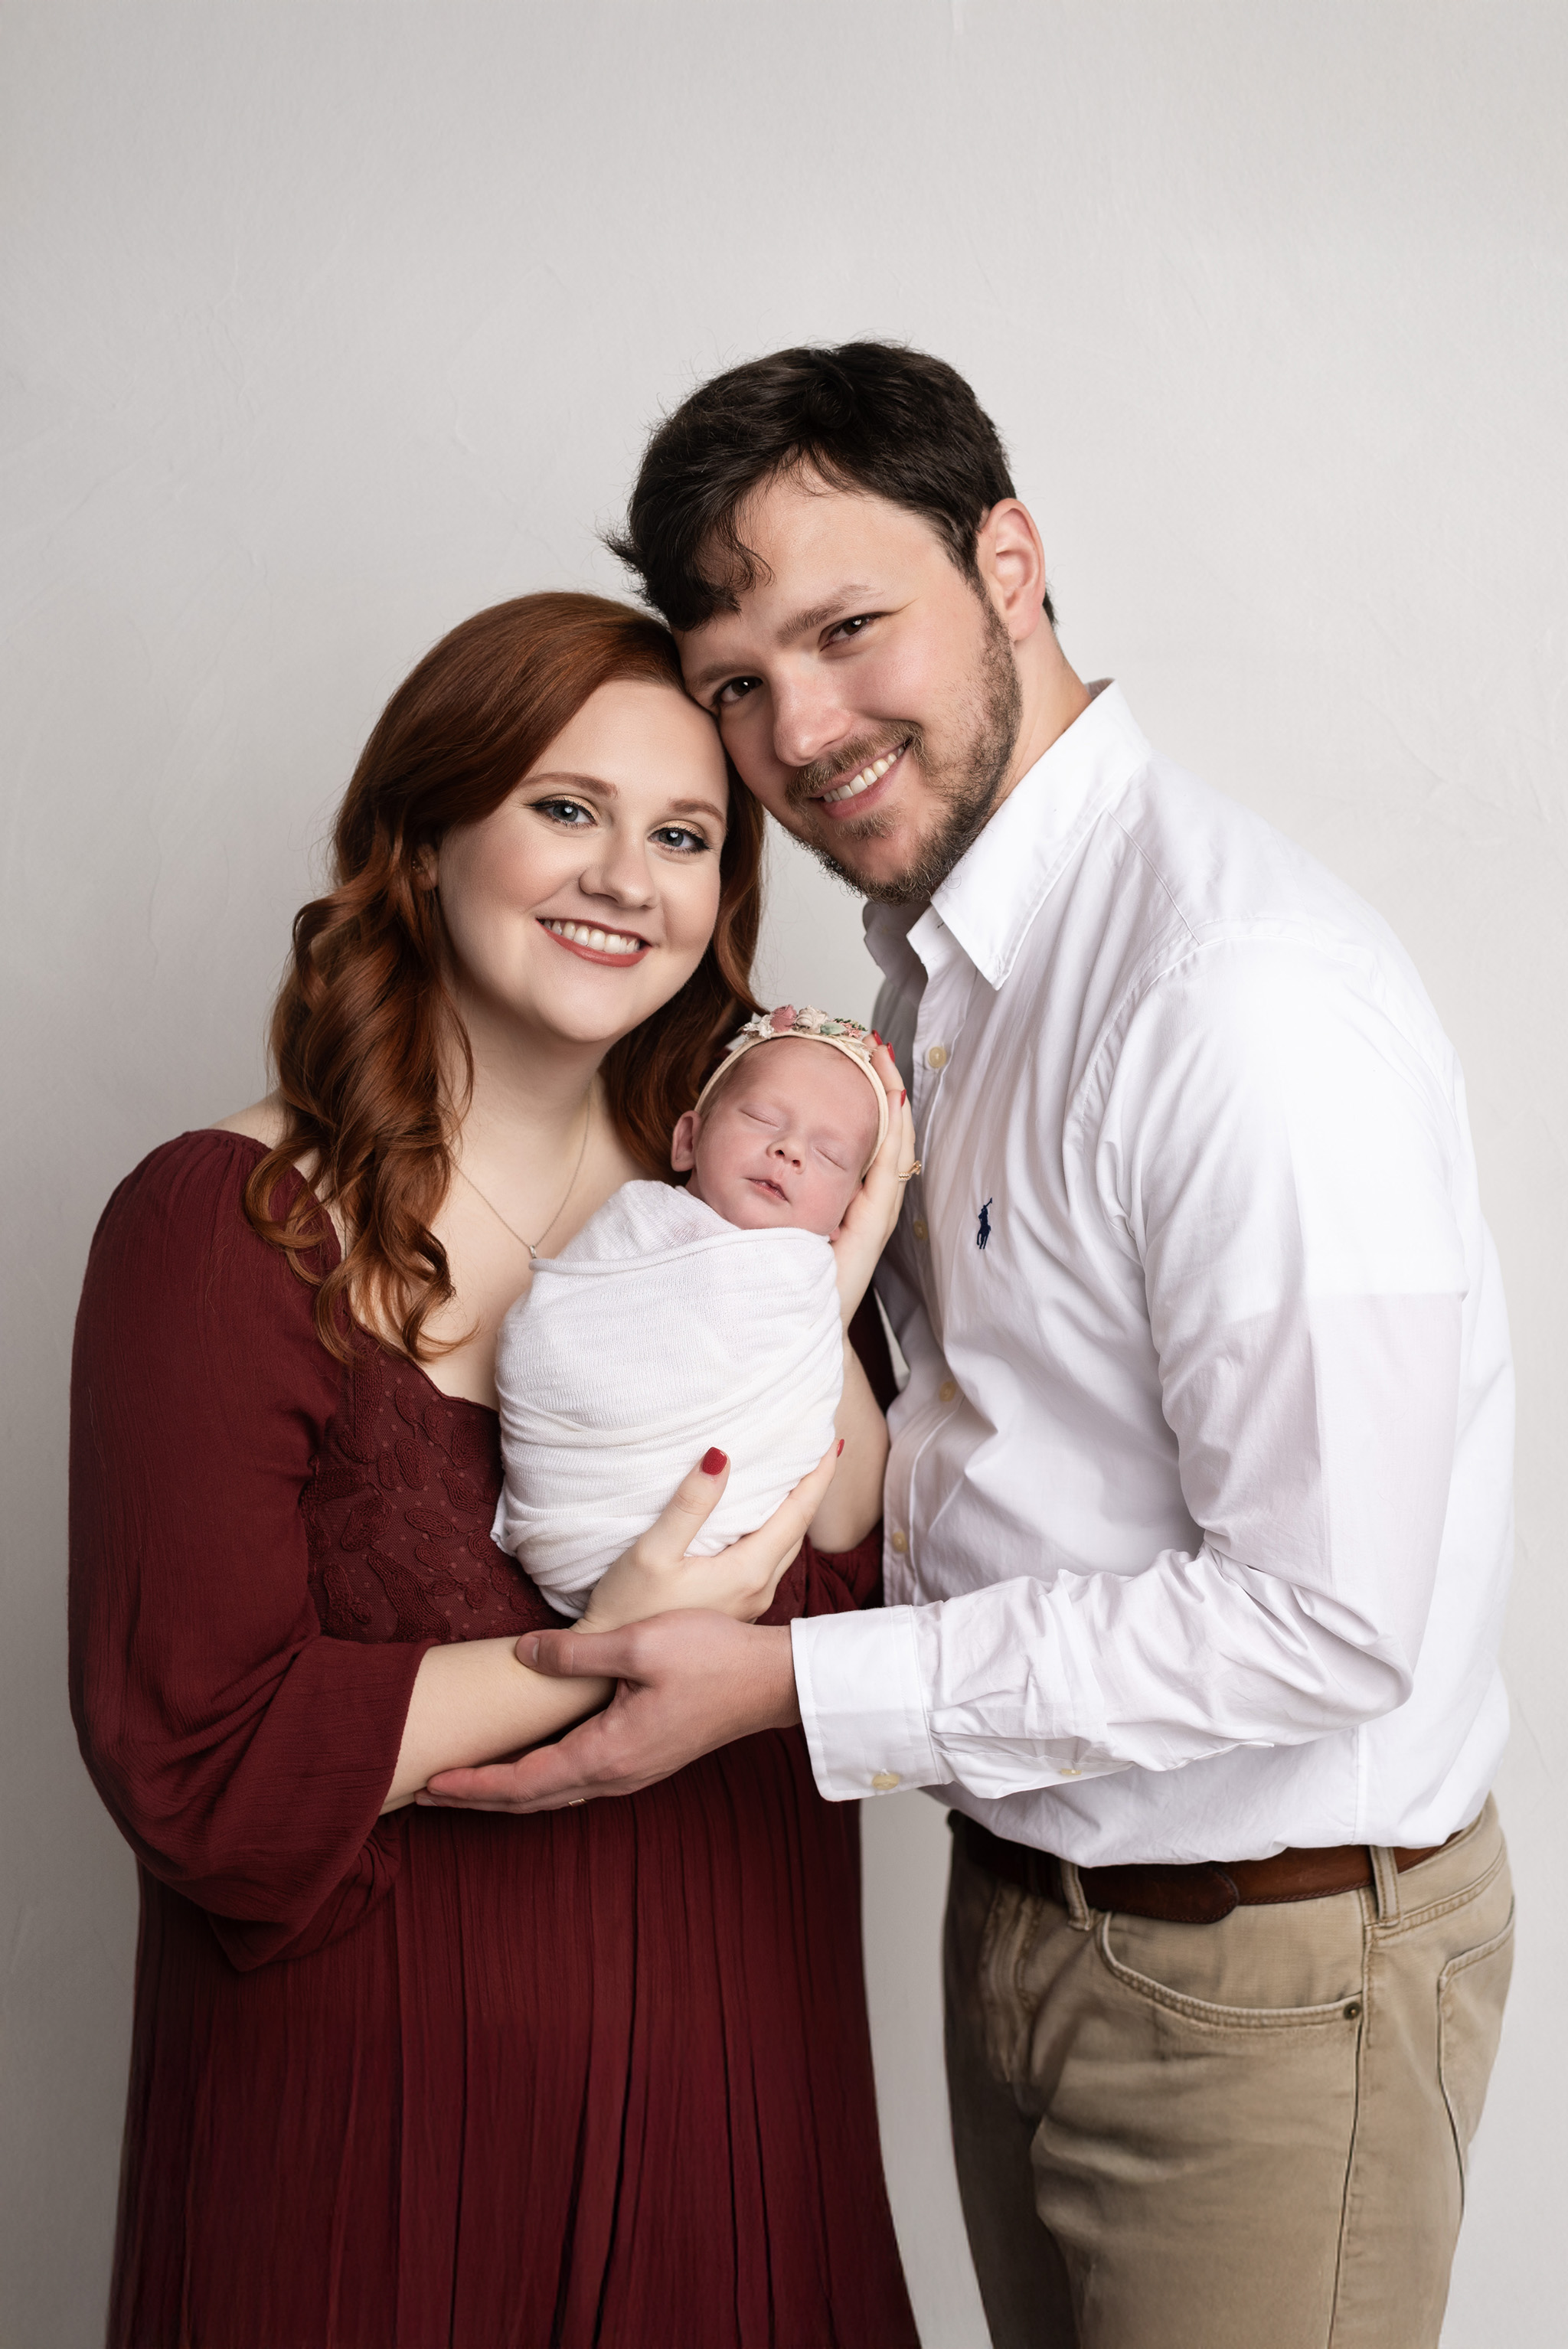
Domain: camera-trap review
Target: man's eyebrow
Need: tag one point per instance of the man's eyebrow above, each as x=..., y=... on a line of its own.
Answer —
x=800, y=623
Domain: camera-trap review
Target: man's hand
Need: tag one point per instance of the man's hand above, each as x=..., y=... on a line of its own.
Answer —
x=688, y=1683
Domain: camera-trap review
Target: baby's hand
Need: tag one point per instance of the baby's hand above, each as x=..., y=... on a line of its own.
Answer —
x=655, y=1576
x=873, y=1212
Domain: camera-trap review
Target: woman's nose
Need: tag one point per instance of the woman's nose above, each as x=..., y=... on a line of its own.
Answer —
x=620, y=871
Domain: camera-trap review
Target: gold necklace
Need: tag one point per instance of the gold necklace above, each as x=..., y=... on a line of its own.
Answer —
x=533, y=1247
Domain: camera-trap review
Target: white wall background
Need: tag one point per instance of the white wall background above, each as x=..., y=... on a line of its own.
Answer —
x=327, y=323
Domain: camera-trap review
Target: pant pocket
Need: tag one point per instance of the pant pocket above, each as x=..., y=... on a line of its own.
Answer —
x=1473, y=1989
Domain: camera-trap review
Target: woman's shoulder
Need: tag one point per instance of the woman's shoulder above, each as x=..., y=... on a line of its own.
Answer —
x=205, y=1163
x=264, y=1122
x=178, y=1272
x=182, y=1209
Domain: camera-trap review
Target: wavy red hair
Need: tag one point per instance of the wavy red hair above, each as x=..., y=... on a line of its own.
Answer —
x=365, y=1028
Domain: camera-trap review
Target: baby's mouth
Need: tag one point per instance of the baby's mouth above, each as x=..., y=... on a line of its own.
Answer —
x=766, y=1182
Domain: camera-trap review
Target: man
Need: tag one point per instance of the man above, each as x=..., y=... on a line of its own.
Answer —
x=1198, y=1504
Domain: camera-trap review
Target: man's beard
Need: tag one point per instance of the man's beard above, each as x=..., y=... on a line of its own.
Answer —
x=966, y=784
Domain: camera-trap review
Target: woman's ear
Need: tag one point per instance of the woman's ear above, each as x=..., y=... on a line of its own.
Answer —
x=683, y=1141
x=425, y=867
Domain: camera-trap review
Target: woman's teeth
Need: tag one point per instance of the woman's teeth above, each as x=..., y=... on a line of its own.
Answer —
x=578, y=933
x=865, y=779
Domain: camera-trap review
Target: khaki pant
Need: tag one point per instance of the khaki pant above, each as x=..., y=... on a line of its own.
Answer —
x=1243, y=2136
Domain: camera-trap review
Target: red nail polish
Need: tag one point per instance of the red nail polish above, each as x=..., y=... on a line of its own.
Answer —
x=840, y=1445
x=902, y=1098
x=713, y=1460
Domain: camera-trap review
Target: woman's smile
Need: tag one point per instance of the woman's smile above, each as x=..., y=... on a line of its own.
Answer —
x=619, y=949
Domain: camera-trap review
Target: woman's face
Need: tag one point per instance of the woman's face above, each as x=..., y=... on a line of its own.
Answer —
x=588, y=897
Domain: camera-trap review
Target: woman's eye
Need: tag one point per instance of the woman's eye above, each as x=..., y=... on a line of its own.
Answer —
x=569, y=812
x=681, y=837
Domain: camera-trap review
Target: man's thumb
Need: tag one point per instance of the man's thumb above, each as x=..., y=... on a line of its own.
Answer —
x=574, y=1655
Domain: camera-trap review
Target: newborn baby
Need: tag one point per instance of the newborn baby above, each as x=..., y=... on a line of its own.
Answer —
x=678, y=1320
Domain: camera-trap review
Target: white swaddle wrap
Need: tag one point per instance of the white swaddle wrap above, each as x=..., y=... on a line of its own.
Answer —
x=659, y=1330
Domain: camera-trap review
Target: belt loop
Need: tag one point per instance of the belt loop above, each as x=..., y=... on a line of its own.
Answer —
x=1385, y=1883
x=1077, y=1908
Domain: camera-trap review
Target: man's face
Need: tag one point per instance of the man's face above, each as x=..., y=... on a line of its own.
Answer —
x=865, y=690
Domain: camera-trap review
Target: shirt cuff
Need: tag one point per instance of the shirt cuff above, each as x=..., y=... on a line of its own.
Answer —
x=858, y=1680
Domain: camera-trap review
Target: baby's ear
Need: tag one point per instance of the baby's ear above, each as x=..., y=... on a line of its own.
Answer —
x=683, y=1141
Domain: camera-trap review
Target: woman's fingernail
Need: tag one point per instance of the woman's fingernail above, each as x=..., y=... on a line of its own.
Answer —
x=713, y=1460
x=903, y=1097
x=841, y=1447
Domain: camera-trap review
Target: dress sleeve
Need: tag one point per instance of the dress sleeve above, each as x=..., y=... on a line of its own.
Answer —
x=834, y=1583
x=244, y=1756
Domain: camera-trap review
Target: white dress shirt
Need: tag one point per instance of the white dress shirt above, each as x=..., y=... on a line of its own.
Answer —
x=1198, y=1505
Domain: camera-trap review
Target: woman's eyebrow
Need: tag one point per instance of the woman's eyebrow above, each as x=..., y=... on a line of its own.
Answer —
x=609, y=791
x=698, y=807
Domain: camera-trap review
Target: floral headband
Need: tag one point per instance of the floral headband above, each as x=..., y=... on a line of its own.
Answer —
x=813, y=1027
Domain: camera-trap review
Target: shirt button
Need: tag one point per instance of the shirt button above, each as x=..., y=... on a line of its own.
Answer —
x=885, y=1781
x=918, y=1227
x=900, y=1543
x=1070, y=1774
x=937, y=1057
x=947, y=1390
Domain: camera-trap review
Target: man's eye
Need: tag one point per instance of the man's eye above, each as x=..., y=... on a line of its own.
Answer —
x=569, y=812
x=847, y=630
x=733, y=691
x=680, y=837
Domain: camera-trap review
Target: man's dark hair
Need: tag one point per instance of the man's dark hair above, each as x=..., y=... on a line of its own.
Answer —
x=866, y=416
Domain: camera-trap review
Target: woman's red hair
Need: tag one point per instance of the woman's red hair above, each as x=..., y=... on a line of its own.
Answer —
x=364, y=1026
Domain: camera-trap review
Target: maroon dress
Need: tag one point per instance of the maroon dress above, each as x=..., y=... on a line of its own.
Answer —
x=600, y=2075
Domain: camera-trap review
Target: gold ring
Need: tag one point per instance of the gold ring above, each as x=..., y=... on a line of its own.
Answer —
x=575, y=1802
x=909, y=1172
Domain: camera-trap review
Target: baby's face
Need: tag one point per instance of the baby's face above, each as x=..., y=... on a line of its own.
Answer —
x=783, y=1141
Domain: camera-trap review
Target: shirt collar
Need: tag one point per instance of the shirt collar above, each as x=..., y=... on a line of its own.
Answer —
x=998, y=886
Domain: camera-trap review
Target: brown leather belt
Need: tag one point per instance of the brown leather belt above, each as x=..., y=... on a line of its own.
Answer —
x=1200, y=1894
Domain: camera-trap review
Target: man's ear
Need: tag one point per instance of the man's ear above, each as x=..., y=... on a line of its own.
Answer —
x=683, y=1141
x=1011, y=565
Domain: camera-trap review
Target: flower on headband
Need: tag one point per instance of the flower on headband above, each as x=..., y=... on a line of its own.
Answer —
x=786, y=1020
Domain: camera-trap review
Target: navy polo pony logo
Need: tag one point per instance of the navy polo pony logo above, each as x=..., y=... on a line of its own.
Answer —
x=984, y=1234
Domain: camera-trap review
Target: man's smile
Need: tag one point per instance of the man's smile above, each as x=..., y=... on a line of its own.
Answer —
x=858, y=792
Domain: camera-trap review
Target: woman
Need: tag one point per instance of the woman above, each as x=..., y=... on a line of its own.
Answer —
x=407, y=2077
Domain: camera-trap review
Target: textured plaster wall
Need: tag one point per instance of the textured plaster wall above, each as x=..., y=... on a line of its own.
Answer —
x=327, y=323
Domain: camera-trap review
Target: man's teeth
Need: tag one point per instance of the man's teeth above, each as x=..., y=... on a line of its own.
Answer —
x=602, y=941
x=864, y=779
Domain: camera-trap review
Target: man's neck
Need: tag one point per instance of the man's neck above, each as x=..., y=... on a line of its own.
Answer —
x=1053, y=696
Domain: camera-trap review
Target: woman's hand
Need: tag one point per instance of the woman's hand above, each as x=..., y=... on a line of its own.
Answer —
x=873, y=1212
x=655, y=1574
